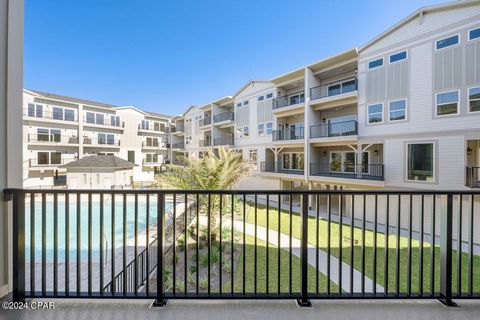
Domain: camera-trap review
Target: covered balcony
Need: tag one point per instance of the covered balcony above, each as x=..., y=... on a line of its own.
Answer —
x=224, y=140
x=290, y=98
x=178, y=145
x=472, y=169
x=52, y=138
x=283, y=161
x=290, y=130
x=224, y=119
x=336, y=129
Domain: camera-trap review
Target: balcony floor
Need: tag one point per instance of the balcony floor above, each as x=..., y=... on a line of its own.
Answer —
x=221, y=309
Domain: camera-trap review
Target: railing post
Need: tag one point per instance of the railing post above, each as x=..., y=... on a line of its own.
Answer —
x=446, y=227
x=303, y=301
x=160, y=301
x=18, y=243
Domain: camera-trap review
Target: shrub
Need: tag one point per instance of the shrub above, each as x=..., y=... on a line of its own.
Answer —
x=181, y=243
x=203, y=282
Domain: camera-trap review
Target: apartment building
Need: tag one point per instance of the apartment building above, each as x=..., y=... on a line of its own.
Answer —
x=58, y=130
x=401, y=111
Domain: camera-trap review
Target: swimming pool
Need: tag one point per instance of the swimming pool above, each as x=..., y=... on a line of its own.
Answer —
x=98, y=235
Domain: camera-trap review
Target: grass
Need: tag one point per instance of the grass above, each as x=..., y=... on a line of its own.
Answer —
x=335, y=228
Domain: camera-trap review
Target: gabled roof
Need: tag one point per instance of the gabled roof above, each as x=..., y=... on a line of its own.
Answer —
x=158, y=115
x=421, y=11
x=99, y=162
x=71, y=99
x=247, y=84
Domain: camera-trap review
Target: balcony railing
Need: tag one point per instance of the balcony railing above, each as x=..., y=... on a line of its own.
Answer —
x=288, y=134
x=279, y=167
x=152, y=161
x=161, y=244
x=223, y=141
x=49, y=162
x=178, y=145
x=152, y=128
x=206, y=143
x=226, y=116
x=152, y=145
x=348, y=170
x=52, y=138
x=289, y=100
x=472, y=177
x=338, y=129
x=49, y=115
x=205, y=121
x=176, y=129
x=334, y=88
x=101, y=141
x=104, y=122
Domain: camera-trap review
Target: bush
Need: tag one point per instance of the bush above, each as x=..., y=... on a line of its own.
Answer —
x=203, y=233
x=227, y=266
x=203, y=282
x=193, y=269
x=192, y=232
x=179, y=285
x=181, y=243
x=191, y=277
x=168, y=283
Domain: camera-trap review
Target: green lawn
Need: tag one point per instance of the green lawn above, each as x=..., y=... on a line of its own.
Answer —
x=369, y=251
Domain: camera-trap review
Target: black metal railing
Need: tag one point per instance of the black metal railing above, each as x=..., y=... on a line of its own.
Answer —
x=176, y=129
x=206, y=142
x=52, y=138
x=154, y=144
x=50, y=115
x=49, y=162
x=472, y=177
x=106, y=121
x=223, y=141
x=205, y=121
x=280, y=167
x=332, y=244
x=288, y=134
x=152, y=128
x=348, y=170
x=101, y=141
x=334, y=88
x=178, y=145
x=226, y=116
x=289, y=100
x=338, y=129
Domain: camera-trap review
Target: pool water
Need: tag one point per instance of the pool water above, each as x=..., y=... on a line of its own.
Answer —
x=98, y=235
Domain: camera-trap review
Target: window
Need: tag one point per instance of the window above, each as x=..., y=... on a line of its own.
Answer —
x=31, y=110
x=265, y=128
x=43, y=158
x=39, y=111
x=447, y=103
x=131, y=156
x=420, y=162
x=239, y=104
x=447, y=42
x=253, y=157
x=69, y=115
x=261, y=98
x=99, y=118
x=269, y=128
x=245, y=131
x=269, y=96
x=293, y=161
x=397, y=110
x=34, y=110
x=90, y=117
x=115, y=121
x=261, y=129
x=43, y=134
x=375, y=113
x=474, y=34
x=55, y=158
x=375, y=63
x=145, y=124
x=245, y=103
x=474, y=99
x=110, y=139
x=398, y=56
x=57, y=113
x=102, y=138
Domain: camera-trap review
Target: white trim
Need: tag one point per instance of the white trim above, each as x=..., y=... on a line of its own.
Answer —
x=434, y=159
x=383, y=114
x=468, y=34
x=468, y=100
x=450, y=114
x=383, y=63
x=398, y=61
x=290, y=153
x=406, y=111
x=446, y=37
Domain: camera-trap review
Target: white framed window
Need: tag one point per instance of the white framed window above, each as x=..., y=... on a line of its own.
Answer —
x=269, y=126
x=447, y=103
x=35, y=110
x=293, y=161
x=375, y=63
x=253, y=158
x=447, y=42
x=260, y=98
x=474, y=34
x=269, y=95
x=397, y=110
x=264, y=128
x=375, y=113
x=400, y=56
x=420, y=162
x=245, y=103
x=261, y=129
x=474, y=99
x=239, y=104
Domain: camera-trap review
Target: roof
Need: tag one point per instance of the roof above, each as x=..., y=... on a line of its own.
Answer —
x=422, y=10
x=158, y=115
x=71, y=99
x=246, y=85
x=100, y=161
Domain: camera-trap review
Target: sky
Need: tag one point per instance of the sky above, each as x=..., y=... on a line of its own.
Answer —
x=165, y=56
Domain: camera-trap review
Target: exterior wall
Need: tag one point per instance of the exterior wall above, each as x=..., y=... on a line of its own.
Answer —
x=98, y=178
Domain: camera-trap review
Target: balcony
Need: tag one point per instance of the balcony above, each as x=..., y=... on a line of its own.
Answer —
x=334, y=94
x=224, y=120
x=278, y=167
x=116, y=123
x=288, y=134
x=205, y=122
x=289, y=105
x=334, y=130
x=223, y=141
x=154, y=145
x=178, y=145
x=152, y=162
x=472, y=177
x=49, y=115
x=52, y=139
x=152, y=129
x=46, y=163
x=348, y=170
x=150, y=262
x=102, y=142
x=206, y=142
x=176, y=131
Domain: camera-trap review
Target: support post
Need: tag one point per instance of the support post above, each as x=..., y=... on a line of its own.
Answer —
x=446, y=221
x=303, y=302
x=160, y=301
x=18, y=241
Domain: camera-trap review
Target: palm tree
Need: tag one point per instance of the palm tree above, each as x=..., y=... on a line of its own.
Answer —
x=211, y=172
